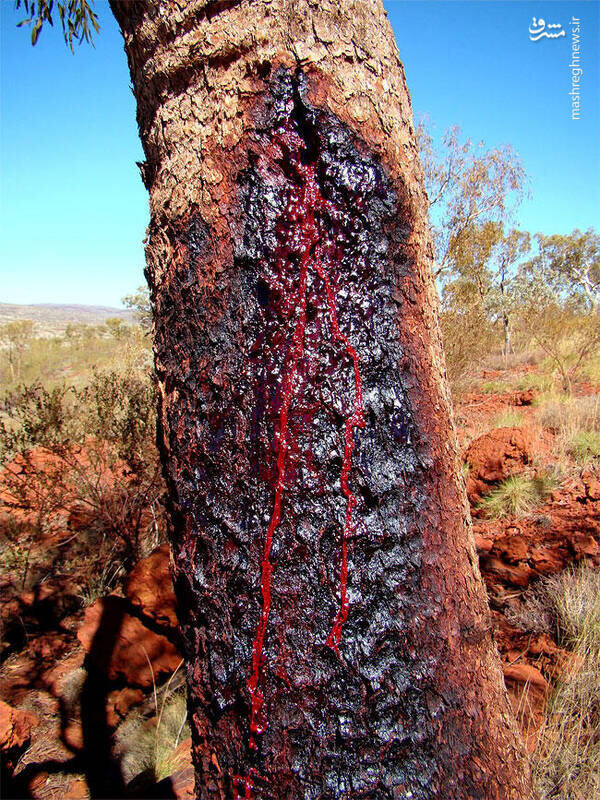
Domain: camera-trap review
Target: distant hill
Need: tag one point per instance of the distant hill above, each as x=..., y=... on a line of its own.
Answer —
x=51, y=319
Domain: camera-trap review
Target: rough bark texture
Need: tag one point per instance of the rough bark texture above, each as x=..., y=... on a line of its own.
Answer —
x=304, y=423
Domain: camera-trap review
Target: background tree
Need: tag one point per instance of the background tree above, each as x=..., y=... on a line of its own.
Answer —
x=569, y=267
x=16, y=336
x=467, y=186
x=559, y=292
x=139, y=301
x=116, y=327
x=485, y=259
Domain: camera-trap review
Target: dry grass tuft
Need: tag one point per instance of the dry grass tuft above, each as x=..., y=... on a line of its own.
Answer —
x=567, y=759
x=517, y=496
x=566, y=415
x=147, y=747
x=585, y=446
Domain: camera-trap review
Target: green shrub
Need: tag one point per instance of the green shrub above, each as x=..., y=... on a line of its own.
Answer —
x=535, y=380
x=466, y=334
x=35, y=416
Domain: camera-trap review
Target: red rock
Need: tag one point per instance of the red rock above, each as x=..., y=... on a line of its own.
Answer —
x=524, y=673
x=119, y=702
x=524, y=398
x=483, y=544
x=55, y=677
x=121, y=646
x=494, y=457
x=72, y=735
x=592, y=486
x=513, y=548
x=15, y=727
x=584, y=545
x=81, y=515
x=38, y=782
x=546, y=560
x=519, y=575
x=150, y=588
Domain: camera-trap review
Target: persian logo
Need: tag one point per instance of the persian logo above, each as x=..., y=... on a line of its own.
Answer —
x=540, y=29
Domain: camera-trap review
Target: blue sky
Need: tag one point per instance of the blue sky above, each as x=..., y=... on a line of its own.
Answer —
x=74, y=210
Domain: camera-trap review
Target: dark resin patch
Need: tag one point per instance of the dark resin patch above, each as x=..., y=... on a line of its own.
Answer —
x=327, y=690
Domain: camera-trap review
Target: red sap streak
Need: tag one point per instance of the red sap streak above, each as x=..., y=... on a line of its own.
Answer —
x=248, y=785
x=294, y=211
x=300, y=212
x=357, y=420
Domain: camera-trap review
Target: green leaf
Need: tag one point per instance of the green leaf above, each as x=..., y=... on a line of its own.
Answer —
x=36, y=31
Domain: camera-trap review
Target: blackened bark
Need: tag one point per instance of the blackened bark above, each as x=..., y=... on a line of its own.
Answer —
x=337, y=634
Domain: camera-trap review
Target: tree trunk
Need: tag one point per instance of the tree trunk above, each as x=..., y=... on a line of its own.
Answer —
x=337, y=633
x=506, y=326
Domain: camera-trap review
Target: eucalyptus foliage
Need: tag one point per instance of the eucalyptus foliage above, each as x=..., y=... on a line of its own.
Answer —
x=78, y=20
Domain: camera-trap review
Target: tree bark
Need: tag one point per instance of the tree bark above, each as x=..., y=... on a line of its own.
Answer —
x=338, y=640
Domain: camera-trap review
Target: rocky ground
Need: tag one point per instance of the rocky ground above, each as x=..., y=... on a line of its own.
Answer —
x=87, y=683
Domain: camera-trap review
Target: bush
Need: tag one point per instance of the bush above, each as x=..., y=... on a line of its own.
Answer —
x=466, y=335
x=91, y=448
x=569, y=337
x=35, y=416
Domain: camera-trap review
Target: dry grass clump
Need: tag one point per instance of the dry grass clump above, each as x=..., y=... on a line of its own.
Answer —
x=150, y=745
x=584, y=446
x=518, y=358
x=517, y=496
x=533, y=613
x=147, y=747
x=567, y=759
x=568, y=415
x=495, y=387
x=575, y=421
x=102, y=580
